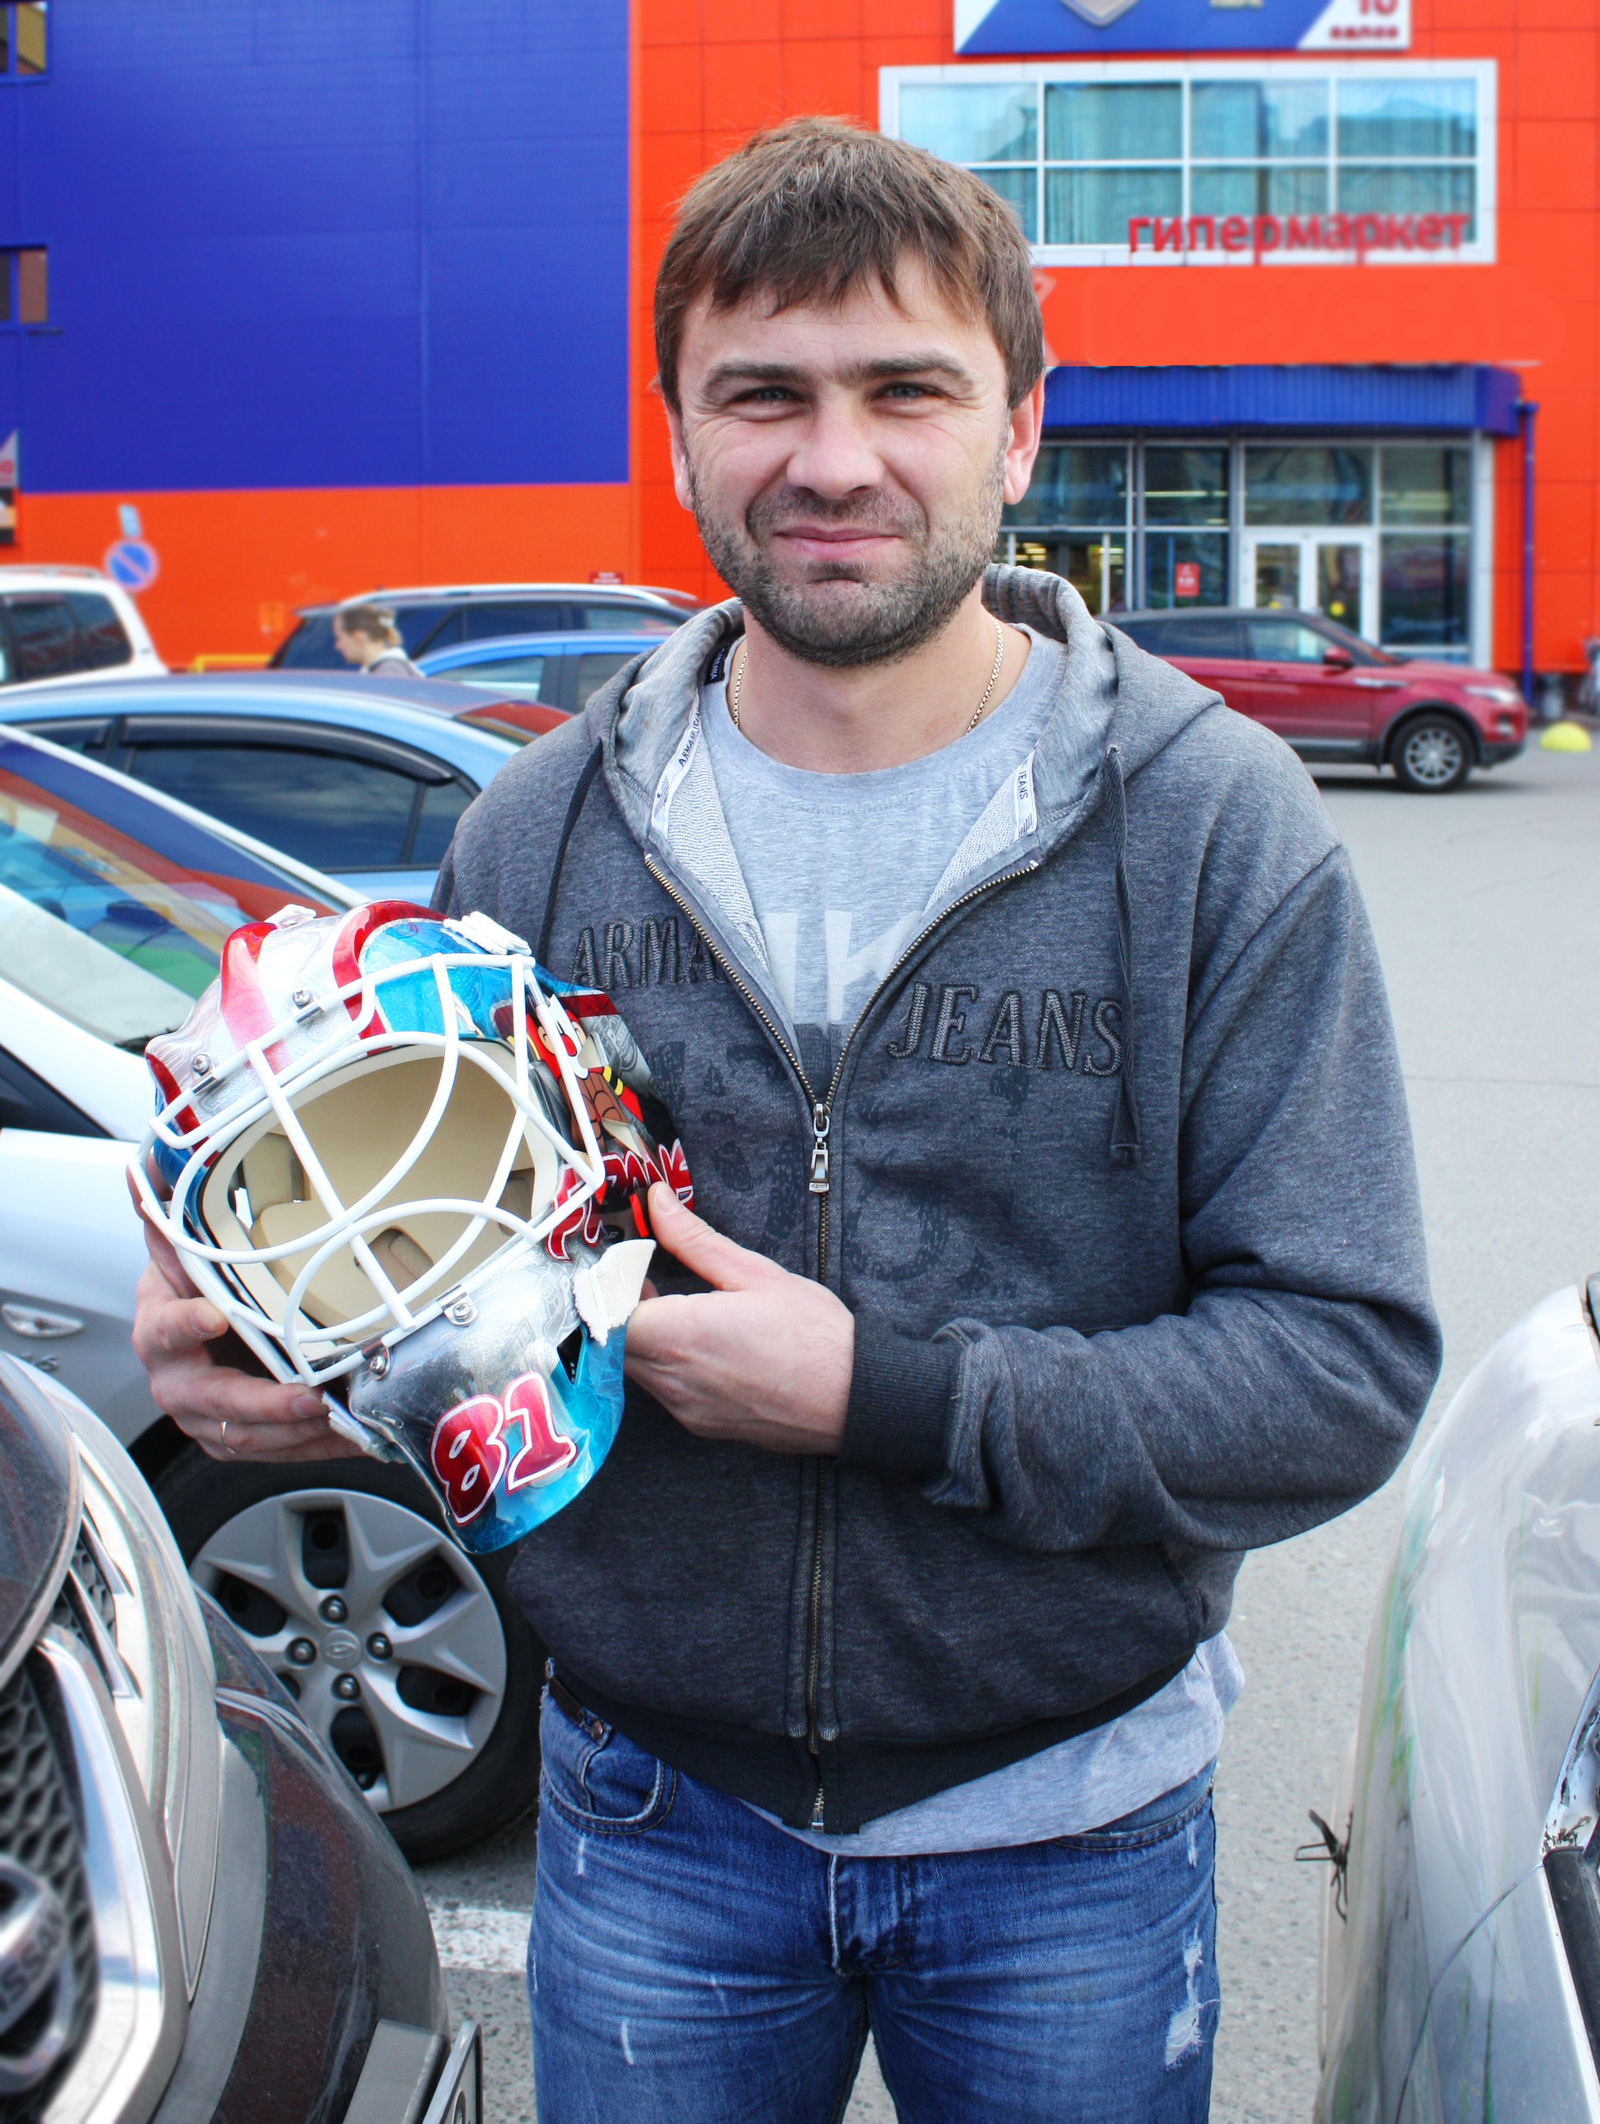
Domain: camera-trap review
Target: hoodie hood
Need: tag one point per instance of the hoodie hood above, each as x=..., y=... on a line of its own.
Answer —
x=1109, y=688
x=1116, y=708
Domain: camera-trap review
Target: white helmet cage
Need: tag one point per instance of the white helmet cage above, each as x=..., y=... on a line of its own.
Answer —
x=366, y=1117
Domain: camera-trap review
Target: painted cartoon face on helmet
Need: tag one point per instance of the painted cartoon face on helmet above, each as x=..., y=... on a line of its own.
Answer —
x=409, y=1166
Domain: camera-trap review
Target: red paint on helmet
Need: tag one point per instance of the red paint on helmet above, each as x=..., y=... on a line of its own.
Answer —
x=349, y=940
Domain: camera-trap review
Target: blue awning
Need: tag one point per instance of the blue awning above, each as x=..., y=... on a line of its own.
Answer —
x=1461, y=396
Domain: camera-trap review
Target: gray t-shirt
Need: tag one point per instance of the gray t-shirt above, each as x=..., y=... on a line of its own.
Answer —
x=843, y=870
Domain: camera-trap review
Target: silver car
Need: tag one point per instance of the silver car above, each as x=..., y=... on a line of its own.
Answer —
x=1461, y=1926
x=200, y=1916
x=410, y=1660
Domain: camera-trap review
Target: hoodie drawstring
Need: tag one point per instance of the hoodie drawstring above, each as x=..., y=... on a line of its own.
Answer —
x=1125, y=1144
x=580, y=792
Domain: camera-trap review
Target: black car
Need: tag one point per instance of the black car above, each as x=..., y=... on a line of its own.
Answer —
x=200, y=1915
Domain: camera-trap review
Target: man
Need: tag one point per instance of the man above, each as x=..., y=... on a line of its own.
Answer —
x=366, y=636
x=1058, y=1240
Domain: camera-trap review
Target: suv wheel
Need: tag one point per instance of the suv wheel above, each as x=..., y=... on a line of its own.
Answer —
x=407, y=1657
x=1431, y=753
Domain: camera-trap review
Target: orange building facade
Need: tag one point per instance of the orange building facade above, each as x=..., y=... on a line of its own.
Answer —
x=1334, y=407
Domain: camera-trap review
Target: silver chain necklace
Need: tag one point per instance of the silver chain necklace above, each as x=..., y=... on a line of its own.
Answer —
x=737, y=685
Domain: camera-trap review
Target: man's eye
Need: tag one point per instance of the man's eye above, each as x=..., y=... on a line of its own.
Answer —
x=909, y=391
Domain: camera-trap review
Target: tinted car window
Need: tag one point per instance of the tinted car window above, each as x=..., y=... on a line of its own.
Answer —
x=1284, y=641
x=1149, y=634
x=1201, y=636
x=113, y=912
x=322, y=808
x=310, y=647
x=42, y=629
x=593, y=671
x=78, y=733
x=486, y=622
x=427, y=627
x=102, y=639
x=442, y=804
x=626, y=619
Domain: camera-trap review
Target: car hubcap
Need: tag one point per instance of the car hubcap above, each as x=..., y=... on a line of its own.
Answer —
x=375, y=1623
x=1433, y=755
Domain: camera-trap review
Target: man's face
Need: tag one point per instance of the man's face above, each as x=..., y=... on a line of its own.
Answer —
x=847, y=466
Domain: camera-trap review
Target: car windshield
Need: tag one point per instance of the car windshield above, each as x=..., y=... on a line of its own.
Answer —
x=114, y=910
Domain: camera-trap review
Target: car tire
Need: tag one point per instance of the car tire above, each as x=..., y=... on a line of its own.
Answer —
x=285, y=1548
x=1431, y=753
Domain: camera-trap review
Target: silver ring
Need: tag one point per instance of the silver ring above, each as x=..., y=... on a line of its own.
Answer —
x=222, y=1438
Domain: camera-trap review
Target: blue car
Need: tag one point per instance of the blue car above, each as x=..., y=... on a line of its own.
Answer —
x=551, y=673
x=363, y=778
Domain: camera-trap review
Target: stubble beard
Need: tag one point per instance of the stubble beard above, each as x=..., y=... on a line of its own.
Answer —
x=879, y=622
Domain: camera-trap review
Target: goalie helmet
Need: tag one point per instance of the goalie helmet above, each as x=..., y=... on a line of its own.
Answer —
x=409, y=1166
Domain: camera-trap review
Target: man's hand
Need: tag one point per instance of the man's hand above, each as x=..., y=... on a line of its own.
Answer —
x=764, y=1358
x=172, y=1328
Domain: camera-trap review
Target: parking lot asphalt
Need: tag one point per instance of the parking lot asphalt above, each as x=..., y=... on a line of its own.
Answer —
x=1486, y=908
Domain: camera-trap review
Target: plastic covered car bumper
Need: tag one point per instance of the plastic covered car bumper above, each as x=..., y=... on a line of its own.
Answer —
x=1495, y=755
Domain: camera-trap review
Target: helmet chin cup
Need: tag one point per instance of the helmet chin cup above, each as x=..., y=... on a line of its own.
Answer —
x=506, y=1403
x=409, y=1165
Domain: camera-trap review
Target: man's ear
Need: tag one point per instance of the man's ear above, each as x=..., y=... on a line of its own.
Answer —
x=1022, y=445
x=681, y=485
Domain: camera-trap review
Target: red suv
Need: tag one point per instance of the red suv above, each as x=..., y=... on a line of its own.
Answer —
x=1335, y=697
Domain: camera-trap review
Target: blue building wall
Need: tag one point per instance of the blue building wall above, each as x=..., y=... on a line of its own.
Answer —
x=321, y=243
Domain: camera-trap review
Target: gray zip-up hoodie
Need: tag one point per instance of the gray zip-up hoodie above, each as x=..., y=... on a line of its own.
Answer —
x=1114, y=1174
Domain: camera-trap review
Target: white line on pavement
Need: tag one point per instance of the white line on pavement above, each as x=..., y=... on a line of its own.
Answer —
x=492, y=1941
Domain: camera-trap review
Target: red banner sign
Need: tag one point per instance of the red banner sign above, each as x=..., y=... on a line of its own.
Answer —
x=1344, y=235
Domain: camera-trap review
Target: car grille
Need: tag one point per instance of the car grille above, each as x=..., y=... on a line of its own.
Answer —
x=87, y=1582
x=92, y=1582
x=39, y=1830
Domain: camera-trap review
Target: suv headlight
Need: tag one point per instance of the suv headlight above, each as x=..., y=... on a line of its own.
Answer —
x=132, y=1581
x=1502, y=696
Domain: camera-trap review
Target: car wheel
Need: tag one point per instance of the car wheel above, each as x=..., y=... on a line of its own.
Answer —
x=408, y=1657
x=1430, y=754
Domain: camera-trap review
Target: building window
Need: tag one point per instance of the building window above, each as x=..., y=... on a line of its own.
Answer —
x=24, y=287
x=1220, y=160
x=1425, y=573
x=1074, y=520
x=1375, y=534
x=24, y=39
x=33, y=286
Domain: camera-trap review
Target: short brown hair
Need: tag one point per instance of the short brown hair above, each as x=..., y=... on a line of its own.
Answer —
x=376, y=622
x=813, y=209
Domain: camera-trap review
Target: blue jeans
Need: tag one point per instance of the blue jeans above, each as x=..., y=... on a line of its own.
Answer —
x=691, y=1964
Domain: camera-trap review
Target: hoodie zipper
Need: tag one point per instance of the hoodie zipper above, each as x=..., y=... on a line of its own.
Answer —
x=821, y=1182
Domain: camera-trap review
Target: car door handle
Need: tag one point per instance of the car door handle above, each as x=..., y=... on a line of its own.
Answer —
x=36, y=1323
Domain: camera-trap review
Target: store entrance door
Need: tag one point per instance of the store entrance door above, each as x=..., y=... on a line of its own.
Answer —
x=1334, y=573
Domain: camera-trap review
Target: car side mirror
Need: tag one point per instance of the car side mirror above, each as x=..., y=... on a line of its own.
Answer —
x=1337, y=659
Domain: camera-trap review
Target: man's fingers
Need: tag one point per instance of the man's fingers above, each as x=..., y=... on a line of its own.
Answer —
x=691, y=1240
x=161, y=1249
x=208, y=1392
x=174, y=1327
x=273, y=1441
x=651, y=1334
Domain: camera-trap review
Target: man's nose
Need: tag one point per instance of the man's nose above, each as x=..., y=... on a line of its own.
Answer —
x=835, y=456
